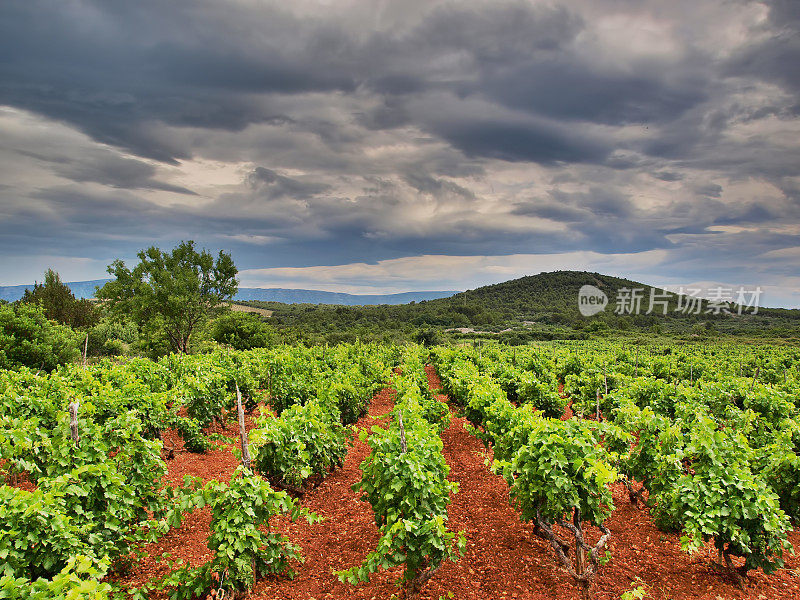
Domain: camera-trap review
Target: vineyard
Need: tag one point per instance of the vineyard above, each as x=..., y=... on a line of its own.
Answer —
x=570, y=470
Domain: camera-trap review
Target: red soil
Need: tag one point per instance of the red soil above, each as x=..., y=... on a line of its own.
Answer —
x=504, y=560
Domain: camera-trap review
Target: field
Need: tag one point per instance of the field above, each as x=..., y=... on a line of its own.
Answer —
x=686, y=457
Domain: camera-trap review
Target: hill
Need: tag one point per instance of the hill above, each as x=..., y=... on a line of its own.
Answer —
x=543, y=306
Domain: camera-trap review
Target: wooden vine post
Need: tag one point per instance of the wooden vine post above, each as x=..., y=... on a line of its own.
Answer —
x=597, y=410
x=402, y=432
x=245, y=450
x=73, y=420
x=755, y=377
x=242, y=431
x=580, y=555
x=85, y=350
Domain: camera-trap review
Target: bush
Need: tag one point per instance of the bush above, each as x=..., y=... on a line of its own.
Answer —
x=241, y=331
x=112, y=338
x=29, y=339
x=303, y=441
x=720, y=498
x=409, y=493
x=244, y=544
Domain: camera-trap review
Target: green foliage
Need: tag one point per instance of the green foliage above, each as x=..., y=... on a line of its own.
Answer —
x=37, y=537
x=243, y=543
x=241, y=331
x=414, y=394
x=541, y=395
x=720, y=498
x=778, y=462
x=636, y=592
x=59, y=303
x=29, y=339
x=203, y=390
x=409, y=493
x=171, y=293
x=78, y=580
x=112, y=337
x=562, y=467
x=302, y=441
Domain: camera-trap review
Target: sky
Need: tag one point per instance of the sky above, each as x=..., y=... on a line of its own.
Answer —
x=384, y=146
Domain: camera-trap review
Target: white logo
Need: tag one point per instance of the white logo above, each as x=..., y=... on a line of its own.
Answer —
x=591, y=300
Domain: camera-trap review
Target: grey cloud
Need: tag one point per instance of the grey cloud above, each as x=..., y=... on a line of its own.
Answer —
x=275, y=185
x=117, y=172
x=426, y=184
x=776, y=57
x=112, y=67
x=668, y=176
x=712, y=190
x=517, y=140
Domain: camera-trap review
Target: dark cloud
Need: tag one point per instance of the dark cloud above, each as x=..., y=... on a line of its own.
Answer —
x=775, y=57
x=518, y=140
x=273, y=185
x=668, y=176
x=116, y=68
x=576, y=90
x=322, y=135
x=712, y=190
x=118, y=172
x=423, y=182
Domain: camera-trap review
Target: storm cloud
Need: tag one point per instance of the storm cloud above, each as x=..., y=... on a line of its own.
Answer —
x=320, y=135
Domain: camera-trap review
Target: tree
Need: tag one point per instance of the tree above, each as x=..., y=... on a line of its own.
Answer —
x=59, y=302
x=28, y=338
x=241, y=331
x=171, y=293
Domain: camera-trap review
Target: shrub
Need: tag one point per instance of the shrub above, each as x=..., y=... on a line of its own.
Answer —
x=28, y=338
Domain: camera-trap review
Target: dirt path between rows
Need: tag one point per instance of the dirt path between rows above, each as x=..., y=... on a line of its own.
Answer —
x=505, y=560
x=345, y=537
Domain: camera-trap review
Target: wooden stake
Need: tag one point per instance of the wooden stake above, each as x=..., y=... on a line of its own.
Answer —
x=73, y=420
x=753, y=384
x=597, y=413
x=580, y=556
x=242, y=431
x=85, y=350
x=402, y=432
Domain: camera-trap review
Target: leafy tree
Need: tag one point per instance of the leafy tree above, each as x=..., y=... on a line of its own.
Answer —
x=241, y=331
x=28, y=338
x=171, y=293
x=59, y=302
x=111, y=336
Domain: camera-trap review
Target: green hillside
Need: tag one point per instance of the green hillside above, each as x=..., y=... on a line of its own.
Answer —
x=543, y=306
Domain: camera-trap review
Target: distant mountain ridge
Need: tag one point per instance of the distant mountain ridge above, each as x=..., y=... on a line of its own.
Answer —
x=289, y=296
x=81, y=289
x=86, y=289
